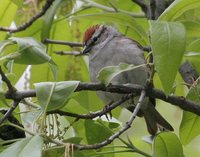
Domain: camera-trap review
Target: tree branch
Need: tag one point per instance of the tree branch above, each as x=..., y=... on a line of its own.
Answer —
x=68, y=43
x=9, y=112
x=73, y=53
x=11, y=89
x=180, y=101
x=117, y=134
x=30, y=22
x=10, y=93
x=92, y=115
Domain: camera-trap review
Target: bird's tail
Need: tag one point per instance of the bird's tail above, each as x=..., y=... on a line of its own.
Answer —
x=154, y=119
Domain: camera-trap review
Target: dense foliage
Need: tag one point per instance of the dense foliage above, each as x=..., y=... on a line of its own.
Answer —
x=43, y=78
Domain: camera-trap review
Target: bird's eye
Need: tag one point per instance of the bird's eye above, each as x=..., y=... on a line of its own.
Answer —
x=94, y=39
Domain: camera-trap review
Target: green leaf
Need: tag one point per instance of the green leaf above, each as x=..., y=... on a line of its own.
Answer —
x=75, y=140
x=192, y=30
x=30, y=51
x=54, y=152
x=61, y=152
x=96, y=132
x=33, y=31
x=177, y=8
x=7, y=13
x=53, y=95
x=30, y=147
x=194, y=46
x=18, y=2
x=168, y=44
x=121, y=19
x=190, y=123
x=48, y=19
x=193, y=49
x=193, y=54
x=4, y=44
x=167, y=144
x=108, y=73
x=54, y=69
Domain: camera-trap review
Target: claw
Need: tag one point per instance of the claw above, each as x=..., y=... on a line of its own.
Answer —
x=106, y=107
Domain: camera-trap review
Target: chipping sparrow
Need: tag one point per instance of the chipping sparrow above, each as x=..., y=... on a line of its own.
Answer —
x=107, y=47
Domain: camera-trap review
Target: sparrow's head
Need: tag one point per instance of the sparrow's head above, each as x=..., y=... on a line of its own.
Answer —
x=97, y=34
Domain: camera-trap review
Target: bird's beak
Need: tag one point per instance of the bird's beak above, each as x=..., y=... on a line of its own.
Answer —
x=86, y=49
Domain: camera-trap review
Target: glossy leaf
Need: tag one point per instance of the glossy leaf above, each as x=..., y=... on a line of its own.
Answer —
x=168, y=44
x=18, y=2
x=192, y=30
x=24, y=147
x=98, y=133
x=167, y=144
x=190, y=15
x=29, y=51
x=54, y=69
x=48, y=19
x=33, y=31
x=190, y=123
x=63, y=64
x=53, y=95
x=177, y=8
x=194, y=46
x=108, y=73
x=4, y=44
x=61, y=152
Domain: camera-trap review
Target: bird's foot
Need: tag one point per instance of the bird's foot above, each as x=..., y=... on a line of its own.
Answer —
x=106, y=109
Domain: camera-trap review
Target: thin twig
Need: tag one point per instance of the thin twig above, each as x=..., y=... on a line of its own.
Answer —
x=117, y=134
x=11, y=92
x=180, y=101
x=9, y=112
x=11, y=89
x=92, y=114
x=68, y=43
x=77, y=44
x=30, y=22
x=73, y=53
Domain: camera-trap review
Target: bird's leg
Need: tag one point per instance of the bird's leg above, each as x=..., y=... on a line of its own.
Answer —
x=132, y=105
x=132, y=99
x=106, y=108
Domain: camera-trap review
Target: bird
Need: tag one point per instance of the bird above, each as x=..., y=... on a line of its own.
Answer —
x=106, y=46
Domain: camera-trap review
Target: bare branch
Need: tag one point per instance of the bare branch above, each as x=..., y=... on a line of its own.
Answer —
x=117, y=134
x=92, y=115
x=9, y=112
x=180, y=101
x=68, y=43
x=73, y=53
x=11, y=89
x=76, y=44
x=11, y=92
x=30, y=22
